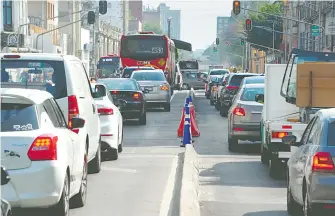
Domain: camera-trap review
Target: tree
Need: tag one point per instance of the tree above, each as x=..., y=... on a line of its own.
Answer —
x=152, y=28
x=264, y=35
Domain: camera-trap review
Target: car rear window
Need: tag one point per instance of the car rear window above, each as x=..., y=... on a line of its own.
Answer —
x=254, y=80
x=249, y=94
x=127, y=72
x=119, y=84
x=149, y=76
x=50, y=73
x=18, y=117
x=331, y=134
x=237, y=79
x=190, y=75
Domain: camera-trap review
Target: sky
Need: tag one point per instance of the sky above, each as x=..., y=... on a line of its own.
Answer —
x=198, y=18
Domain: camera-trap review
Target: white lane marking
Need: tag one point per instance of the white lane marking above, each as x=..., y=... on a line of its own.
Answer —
x=169, y=188
x=124, y=170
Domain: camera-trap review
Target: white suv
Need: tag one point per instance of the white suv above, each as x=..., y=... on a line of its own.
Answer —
x=63, y=76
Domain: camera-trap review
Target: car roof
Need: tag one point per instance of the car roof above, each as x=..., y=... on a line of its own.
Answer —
x=114, y=79
x=254, y=77
x=328, y=114
x=38, y=56
x=254, y=85
x=34, y=95
x=218, y=69
x=131, y=67
x=243, y=74
x=152, y=71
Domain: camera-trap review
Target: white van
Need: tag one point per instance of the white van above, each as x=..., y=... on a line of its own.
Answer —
x=65, y=78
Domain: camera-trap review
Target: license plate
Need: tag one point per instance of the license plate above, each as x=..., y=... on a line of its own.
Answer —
x=148, y=88
x=284, y=154
x=154, y=89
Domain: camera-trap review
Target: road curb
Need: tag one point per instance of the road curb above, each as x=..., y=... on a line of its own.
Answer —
x=189, y=201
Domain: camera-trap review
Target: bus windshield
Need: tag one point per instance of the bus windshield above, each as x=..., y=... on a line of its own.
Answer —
x=143, y=47
x=289, y=89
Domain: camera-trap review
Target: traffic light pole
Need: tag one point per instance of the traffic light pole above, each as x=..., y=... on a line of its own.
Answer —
x=242, y=58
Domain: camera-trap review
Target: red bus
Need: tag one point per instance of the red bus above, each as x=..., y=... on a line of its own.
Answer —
x=149, y=49
x=108, y=66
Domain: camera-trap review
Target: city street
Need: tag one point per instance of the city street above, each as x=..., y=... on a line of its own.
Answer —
x=233, y=184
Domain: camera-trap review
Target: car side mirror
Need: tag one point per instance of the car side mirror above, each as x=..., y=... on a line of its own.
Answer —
x=259, y=97
x=145, y=91
x=77, y=123
x=4, y=176
x=290, y=140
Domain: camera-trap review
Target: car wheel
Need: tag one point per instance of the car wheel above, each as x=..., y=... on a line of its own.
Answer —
x=185, y=87
x=113, y=154
x=79, y=199
x=62, y=208
x=307, y=208
x=274, y=167
x=167, y=107
x=95, y=164
x=264, y=156
x=293, y=208
x=223, y=111
x=120, y=146
x=232, y=144
x=143, y=119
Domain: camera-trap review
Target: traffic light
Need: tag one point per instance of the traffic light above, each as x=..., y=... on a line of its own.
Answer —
x=248, y=24
x=91, y=17
x=103, y=7
x=215, y=49
x=236, y=7
x=242, y=42
x=217, y=42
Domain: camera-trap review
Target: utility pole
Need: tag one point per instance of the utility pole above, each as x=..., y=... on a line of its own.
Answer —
x=77, y=27
x=169, y=27
x=124, y=17
x=333, y=36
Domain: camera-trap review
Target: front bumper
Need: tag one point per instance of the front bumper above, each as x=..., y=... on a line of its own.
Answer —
x=38, y=186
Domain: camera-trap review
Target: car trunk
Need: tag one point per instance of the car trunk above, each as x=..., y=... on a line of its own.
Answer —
x=152, y=86
x=126, y=95
x=253, y=111
x=14, y=148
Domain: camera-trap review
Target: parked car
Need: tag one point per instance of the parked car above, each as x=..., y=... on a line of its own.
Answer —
x=228, y=92
x=111, y=121
x=6, y=209
x=191, y=79
x=128, y=96
x=213, y=72
x=128, y=71
x=158, y=88
x=65, y=77
x=244, y=116
x=46, y=162
x=310, y=169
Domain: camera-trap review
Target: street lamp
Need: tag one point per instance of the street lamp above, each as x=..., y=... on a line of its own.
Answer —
x=169, y=26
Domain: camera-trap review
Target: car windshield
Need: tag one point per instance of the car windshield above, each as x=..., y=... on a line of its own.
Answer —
x=51, y=74
x=152, y=76
x=190, y=75
x=254, y=80
x=216, y=79
x=119, y=84
x=127, y=72
x=219, y=72
x=237, y=79
x=331, y=134
x=18, y=117
x=249, y=94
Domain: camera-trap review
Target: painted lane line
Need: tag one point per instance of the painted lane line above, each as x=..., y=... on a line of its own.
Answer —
x=124, y=170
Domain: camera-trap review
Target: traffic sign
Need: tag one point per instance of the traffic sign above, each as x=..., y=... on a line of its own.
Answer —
x=315, y=31
x=227, y=43
x=330, y=26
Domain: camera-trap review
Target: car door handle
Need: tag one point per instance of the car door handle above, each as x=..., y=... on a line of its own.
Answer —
x=82, y=97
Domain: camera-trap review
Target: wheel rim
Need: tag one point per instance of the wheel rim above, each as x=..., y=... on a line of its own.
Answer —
x=66, y=197
x=84, y=180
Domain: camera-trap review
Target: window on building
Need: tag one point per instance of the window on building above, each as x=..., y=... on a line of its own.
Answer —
x=7, y=12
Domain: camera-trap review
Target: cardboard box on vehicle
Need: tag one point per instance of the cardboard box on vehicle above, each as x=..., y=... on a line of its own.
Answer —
x=323, y=84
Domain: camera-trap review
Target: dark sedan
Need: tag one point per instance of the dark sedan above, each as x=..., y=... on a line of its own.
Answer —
x=129, y=97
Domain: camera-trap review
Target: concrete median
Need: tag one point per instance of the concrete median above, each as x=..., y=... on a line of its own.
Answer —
x=189, y=199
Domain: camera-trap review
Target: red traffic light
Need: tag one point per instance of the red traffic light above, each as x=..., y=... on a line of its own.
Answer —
x=248, y=21
x=248, y=24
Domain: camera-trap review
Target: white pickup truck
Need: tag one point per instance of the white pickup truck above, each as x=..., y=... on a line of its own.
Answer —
x=279, y=119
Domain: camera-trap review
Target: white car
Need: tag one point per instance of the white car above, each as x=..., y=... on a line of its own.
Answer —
x=63, y=76
x=46, y=162
x=111, y=122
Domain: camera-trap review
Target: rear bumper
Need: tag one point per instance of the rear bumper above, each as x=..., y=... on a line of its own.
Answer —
x=133, y=110
x=163, y=97
x=40, y=185
x=322, y=188
x=247, y=132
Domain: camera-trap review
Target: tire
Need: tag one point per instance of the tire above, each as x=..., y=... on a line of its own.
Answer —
x=120, y=146
x=211, y=102
x=232, y=144
x=274, y=167
x=223, y=111
x=308, y=210
x=293, y=208
x=94, y=166
x=79, y=199
x=113, y=154
x=167, y=107
x=264, y=156
x=185, y=87
x=62, y=208
x=143, y=119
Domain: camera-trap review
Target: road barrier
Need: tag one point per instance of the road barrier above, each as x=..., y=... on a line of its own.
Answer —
x=188, y=126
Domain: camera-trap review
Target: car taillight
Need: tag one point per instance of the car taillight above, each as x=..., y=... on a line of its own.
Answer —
x=114, y=92
x=322, y=162
x=43, y=148
x=279, y=135
x=73, y=110
x=238, y=111
x=231, y=87
x=165, y=87
x=105, y=111
x=137, y=96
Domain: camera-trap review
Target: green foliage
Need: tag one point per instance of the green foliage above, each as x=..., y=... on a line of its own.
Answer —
x=152, y=27
x=262, y=36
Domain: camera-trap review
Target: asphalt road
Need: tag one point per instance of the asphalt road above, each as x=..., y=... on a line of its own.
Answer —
x=145, y=180
x=233, y=184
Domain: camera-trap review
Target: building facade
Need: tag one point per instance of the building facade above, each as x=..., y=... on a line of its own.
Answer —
x=166, y=13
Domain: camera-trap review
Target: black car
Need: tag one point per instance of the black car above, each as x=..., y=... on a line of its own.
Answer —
x=228, y=92
x=129, y=97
